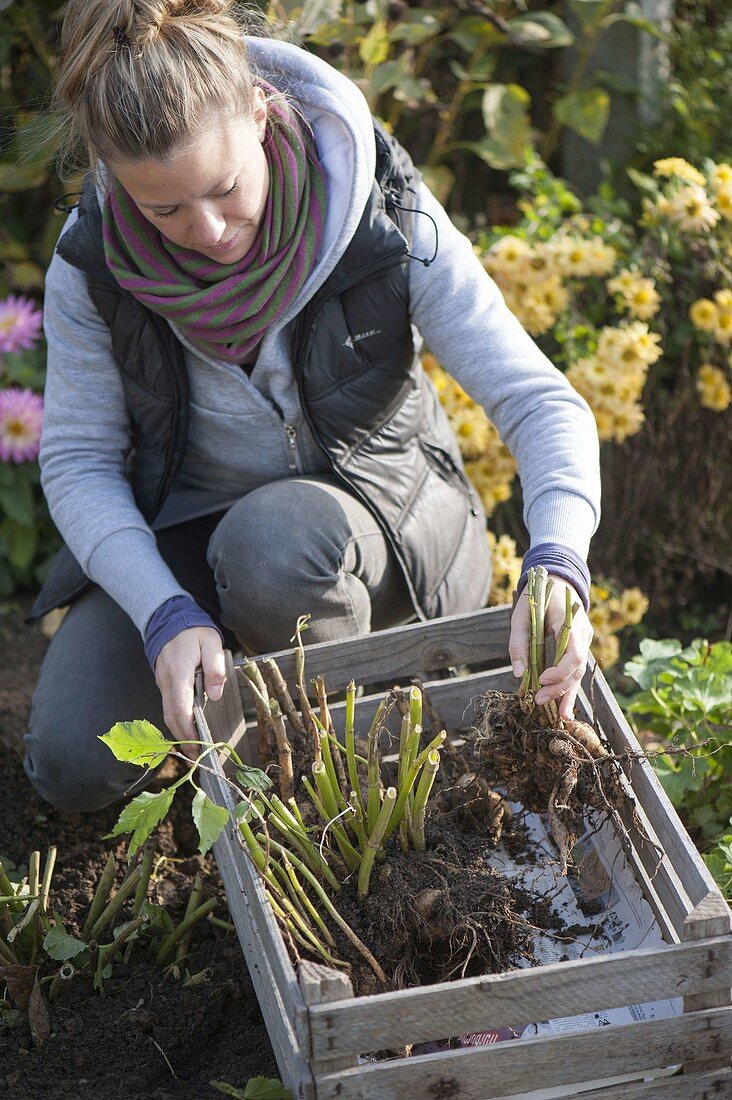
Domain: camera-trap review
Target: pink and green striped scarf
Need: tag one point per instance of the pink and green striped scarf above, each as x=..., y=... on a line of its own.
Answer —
x=226, y=309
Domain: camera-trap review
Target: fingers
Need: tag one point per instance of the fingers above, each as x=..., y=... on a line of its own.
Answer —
x=518, y=642
x=214, y=666
x=175, y=671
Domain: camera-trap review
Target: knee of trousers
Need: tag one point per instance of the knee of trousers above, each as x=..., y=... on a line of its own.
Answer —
x=275, y=555
x=76, y=776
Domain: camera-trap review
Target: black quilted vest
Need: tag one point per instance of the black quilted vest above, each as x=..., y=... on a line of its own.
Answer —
x=366, y=400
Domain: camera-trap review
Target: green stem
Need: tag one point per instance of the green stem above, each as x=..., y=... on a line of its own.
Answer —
x=333, y=912
x=304, y=845
x=193, y=901
x=306, y=902
x=374, y=842
x=178, y=933
x=101, y=895
x=424, y=788
x=327, y=758
x=350, y=738
x=47, y=876
x=415, y=707
x=6, y=888
x=113, y=907
x=570, y=611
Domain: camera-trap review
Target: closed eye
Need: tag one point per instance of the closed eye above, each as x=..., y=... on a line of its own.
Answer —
x=223, y=195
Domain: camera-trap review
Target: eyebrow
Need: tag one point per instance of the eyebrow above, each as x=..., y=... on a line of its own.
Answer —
x=167, y=205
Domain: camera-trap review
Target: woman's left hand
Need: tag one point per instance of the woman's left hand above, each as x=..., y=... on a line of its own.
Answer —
x=560, y=682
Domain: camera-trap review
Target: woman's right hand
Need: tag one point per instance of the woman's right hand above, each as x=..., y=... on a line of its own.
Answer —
x=175, y=671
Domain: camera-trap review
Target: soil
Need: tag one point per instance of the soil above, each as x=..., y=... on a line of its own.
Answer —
x=144, y=1038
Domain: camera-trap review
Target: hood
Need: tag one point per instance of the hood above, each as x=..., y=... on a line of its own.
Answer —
x=344, y=135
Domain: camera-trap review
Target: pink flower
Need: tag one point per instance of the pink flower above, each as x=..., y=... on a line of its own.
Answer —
x=20, y=324
x=21, y=415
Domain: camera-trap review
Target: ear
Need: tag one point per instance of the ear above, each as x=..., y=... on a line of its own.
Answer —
x=260, y=112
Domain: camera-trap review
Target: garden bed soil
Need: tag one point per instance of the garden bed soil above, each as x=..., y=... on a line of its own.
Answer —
x=145, y=1038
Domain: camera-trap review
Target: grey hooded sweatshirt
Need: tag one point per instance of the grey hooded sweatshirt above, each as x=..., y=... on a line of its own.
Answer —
x=246, y=431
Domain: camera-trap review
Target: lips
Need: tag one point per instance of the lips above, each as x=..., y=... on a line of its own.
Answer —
x=226, y=245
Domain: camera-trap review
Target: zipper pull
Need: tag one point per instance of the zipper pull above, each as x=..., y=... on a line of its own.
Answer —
x=291, y=433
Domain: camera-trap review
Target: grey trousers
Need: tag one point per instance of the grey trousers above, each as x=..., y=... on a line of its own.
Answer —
x=298, y=546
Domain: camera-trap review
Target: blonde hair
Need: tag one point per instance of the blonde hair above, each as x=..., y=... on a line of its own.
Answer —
x=136, y=77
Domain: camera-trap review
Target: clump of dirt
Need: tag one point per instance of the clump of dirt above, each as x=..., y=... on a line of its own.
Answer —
x=560, y=772
x=439, y=914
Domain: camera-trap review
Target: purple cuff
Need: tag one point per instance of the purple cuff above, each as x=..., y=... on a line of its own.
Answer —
x=561, y=561
x=176, y=614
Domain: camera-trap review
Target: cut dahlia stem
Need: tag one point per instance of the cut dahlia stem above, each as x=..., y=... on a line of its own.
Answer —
x=24, y=921
x=325, y=789
x=333, y=812
x=415, y=707
x=261, y=702
x=292, y=803
x=335, y=750
x=47, y=876
x=194, y=899
x=421, y=796
x=403, y=768
x=308, y=715
x=174, y=937
x=284, y=750
x=375, y=841
x=304, y=845
x=112, y=908
x=435, y=743
x=350, y=739
x=357, y=822
x=101, y=895
x=8, y=891
x=570, y=610
x=278, y=687
x=328, y=758
x=305, y=900
x=333, y=912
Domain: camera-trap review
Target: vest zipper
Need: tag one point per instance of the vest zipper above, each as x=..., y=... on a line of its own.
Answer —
x=291, y=433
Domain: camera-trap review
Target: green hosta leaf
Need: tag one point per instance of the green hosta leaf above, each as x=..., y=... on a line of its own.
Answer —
x=209, y=820
x=585, y=111
x=506, y=117
x=257, y=1088
x=654, y=658
x=141, y=816
x=252, y=779
x=680, y=776
x=16, y=500
x=374, y=46
x=541, y=28
x=315, y=13
x=59, y=945
x=138, y=742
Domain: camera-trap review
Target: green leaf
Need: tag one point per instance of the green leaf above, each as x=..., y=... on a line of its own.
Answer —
x=541, y=28
x=252, y=779
x=315, y=13
x=585, y=111
x=654, y=658
x=209, y=819
x=635, y=20
x=506, y=116
x=22, y=544
x=680, y=777
x=141, y=816
x=587, y=11
x=138, y=742
x=415, y=27
x=16, y=500
x=59, y=945
x=374, y=46
x=474, y=32
x=16, y=177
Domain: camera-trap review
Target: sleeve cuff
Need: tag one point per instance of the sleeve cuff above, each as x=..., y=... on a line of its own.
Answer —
x=176, y=614
x=562, y=562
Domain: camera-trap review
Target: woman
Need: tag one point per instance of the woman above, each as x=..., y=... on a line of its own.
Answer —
x=237, y=427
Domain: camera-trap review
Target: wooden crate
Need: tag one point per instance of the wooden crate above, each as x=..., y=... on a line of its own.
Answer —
x=318, y=1028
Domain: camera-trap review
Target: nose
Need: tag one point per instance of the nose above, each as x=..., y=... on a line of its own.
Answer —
x=207, y=227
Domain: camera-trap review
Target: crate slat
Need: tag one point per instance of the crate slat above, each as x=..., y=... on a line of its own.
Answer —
x=684, y=857
x=519, y=997
x=320, y=986
x=711, y=917
x=707, y=1086
x=482, y=1073
x=270, y=969
x=404, y=651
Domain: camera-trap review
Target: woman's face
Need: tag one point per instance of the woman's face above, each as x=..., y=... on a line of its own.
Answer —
x=211, y=195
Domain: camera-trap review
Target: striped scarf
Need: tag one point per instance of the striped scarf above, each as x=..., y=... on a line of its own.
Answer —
x=226, y=309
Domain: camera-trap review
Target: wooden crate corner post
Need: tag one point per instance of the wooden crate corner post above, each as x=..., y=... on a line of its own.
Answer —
x=711, y=917
x=321, y=985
